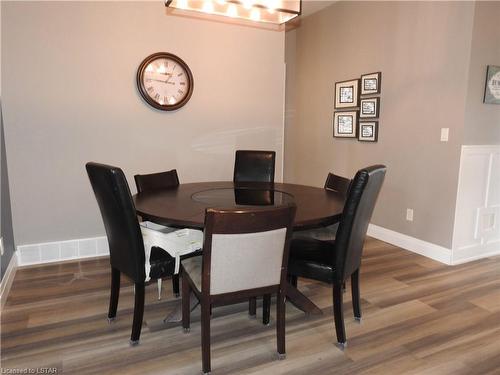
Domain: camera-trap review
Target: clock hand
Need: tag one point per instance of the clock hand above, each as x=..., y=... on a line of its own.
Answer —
x=172, y=73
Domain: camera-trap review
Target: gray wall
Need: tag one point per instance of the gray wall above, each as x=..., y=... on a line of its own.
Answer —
x=482, y=121
x=70, y=97
x=6, y=232
x=422, y=50
x=5, y=217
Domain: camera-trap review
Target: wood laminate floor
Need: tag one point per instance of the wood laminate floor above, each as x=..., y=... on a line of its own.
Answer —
x=419, y=317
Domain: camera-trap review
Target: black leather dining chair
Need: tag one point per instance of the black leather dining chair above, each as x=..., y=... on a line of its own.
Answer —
x=245, y=254
x=126, y=246
x=254, y=166
x=337, y=184
x=156, y=181
x=333, y=262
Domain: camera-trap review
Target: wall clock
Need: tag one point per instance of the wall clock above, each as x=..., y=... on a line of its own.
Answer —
x=165, y=81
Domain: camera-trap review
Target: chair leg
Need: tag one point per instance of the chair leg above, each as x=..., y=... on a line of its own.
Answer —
x=292, y=280
x=280, y=324
x=205, y=336
x=266, y=309
x=338, y=313
x=252, y=307
x=186, y=308
x=138, y=313
x=115, y=294
x=356, y=302
x=175, y=284
x=158, y=282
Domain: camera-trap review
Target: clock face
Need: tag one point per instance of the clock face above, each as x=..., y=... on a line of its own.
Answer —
x=165, y=81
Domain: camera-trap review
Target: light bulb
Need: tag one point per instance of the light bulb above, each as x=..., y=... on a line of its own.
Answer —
x=232, y=11
x=208, y=6
x=255, y=14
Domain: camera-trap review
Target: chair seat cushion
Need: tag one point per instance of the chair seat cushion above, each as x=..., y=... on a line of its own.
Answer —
x=323, y=233
x=312, y=259
x=162, y=264
x=192, y=266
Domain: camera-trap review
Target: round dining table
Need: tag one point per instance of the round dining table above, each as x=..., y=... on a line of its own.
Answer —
x=185, y=205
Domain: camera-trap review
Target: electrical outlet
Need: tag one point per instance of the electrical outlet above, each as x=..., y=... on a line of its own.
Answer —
x=1, y=245
x=445, y=132
x=409, y=214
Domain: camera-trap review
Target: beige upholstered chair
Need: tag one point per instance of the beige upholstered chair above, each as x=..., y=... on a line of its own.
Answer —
x=245, y=254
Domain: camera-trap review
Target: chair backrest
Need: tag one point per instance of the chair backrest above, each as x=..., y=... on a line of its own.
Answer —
x=154, y=181
x=337, y=183
x=356, y=216
x=254, y=197
x=246, y=249
x=126, y=246
x=254, y=166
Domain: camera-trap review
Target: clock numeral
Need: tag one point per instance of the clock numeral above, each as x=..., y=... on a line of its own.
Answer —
x=182, y=83
x=148, y=79
x=180, y=92
x=150, y=89
x=157, y=96
x=165, y=99
x=180, y=74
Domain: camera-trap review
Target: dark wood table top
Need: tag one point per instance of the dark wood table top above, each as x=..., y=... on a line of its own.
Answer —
x=185, y=205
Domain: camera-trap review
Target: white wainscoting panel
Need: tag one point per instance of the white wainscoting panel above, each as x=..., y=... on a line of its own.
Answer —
x=476, y=232
x=63, y=250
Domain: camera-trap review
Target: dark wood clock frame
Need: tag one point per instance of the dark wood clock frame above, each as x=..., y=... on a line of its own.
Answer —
x=142, y=88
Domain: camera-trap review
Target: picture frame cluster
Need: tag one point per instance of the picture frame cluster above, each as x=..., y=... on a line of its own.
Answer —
x=357, y=108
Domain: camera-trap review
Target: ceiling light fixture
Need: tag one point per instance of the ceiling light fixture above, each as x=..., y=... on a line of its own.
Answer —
x=275, y=12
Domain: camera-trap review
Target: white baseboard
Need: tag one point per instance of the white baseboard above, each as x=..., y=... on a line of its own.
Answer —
x=91, y=247
x=49, y=252
x=468, y=254
x=430, y=250
x=7, y=280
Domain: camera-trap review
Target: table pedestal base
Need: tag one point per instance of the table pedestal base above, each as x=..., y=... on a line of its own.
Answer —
x=293, y=295
x=300, y=301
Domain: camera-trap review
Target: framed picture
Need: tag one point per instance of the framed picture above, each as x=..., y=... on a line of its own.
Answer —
x=345, y=124
x=492, y=86
x=368, y=131
x=370, y=83
x=369, y=108
x=347, y=93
